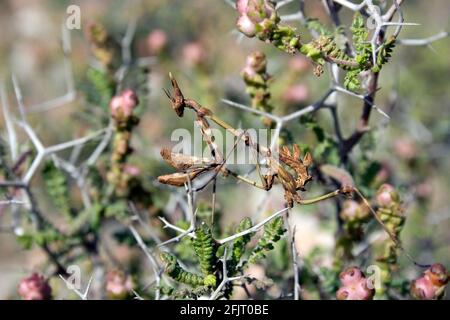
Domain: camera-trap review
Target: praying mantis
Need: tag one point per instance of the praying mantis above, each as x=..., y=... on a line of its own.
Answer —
x=191, y=167
x=289, y=168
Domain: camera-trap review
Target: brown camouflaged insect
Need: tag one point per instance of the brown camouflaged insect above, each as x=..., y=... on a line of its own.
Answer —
x=290, y=169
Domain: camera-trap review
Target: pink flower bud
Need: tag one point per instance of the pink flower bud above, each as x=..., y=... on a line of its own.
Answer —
x=257, y=61
x=193, y=54
x=156, y=41
x=423, y=289
x=246, y=26
x=255, y=69
x=431, y=285
x=355, y=291
x=295, y=94
x=118, y=285
x=124, y=104
x=386, y=196
x=115, y=105
x=259, y=10
x=35, y=287
x=350, y=275
x=241, y=6
x=354, y=286
x=129, y=100
x=253, y=12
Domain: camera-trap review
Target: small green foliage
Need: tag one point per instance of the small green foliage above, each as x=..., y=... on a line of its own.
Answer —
x=205, y=249
x=210, y=281
x=99, y=89
x=331, y=50
x=285, y=39
x=57, y=188
x=176, y=272
x=311, y=51
x=384, y=53
x=43, y=237
x=325, y=48
x=360, y=40
x=351, y=81
x=240, y=243
x=273, y=231
x=208, y=252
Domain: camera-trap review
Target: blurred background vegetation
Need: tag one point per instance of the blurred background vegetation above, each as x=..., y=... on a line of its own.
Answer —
x=204, y=52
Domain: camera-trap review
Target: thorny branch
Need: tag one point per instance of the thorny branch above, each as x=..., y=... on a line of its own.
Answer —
x=225, y=278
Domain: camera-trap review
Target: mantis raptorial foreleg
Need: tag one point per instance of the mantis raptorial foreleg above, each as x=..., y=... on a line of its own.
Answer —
x=209, y=138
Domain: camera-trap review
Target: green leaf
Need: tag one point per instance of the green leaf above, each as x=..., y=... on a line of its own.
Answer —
x=205, y=248
x=384, y=53
x=239, y=244
x=176, y=272
x=99, y=89
x=273, y=231
x=351, y=81
x=57, y=188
